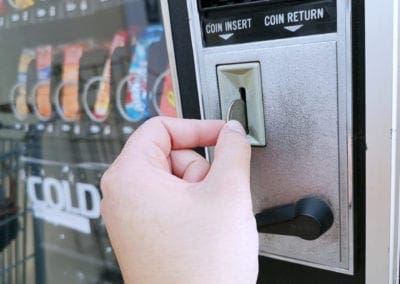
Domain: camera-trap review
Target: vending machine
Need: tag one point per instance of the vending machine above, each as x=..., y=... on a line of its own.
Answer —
x=314, y=83
x=316, y=86
x=292, y=72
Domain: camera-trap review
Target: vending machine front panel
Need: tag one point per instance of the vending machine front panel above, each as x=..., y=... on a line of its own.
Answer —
x=284, y=69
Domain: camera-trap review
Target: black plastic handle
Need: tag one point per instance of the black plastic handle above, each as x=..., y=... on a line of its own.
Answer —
x=308, y=219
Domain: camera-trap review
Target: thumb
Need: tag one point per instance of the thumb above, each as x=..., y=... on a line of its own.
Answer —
x=232, y=155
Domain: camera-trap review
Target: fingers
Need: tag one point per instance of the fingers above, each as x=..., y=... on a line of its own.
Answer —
x=232, y=157
x=188, y=165
x=160, y=135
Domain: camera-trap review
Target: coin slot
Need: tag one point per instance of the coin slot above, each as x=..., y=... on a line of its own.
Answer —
x=241, y=98
x=242, y=91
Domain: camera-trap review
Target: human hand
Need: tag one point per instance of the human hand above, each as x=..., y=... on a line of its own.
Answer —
x=170, y=216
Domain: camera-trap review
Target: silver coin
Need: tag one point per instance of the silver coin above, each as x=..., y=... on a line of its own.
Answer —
x=237, y=111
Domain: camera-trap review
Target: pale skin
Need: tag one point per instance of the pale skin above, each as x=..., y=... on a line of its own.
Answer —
x=174, y=218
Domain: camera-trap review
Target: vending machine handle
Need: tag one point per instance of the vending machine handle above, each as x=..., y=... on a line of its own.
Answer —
x=308, y=219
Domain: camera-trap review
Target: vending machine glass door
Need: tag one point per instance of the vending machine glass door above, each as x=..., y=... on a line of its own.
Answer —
x=78, y=77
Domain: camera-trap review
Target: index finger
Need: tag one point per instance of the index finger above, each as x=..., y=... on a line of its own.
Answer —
x=167, y=134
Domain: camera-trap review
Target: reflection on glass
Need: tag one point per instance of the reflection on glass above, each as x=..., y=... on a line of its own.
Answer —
x=78, y=78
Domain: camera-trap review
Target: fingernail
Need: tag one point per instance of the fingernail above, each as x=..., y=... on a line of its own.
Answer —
x=236, y=126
